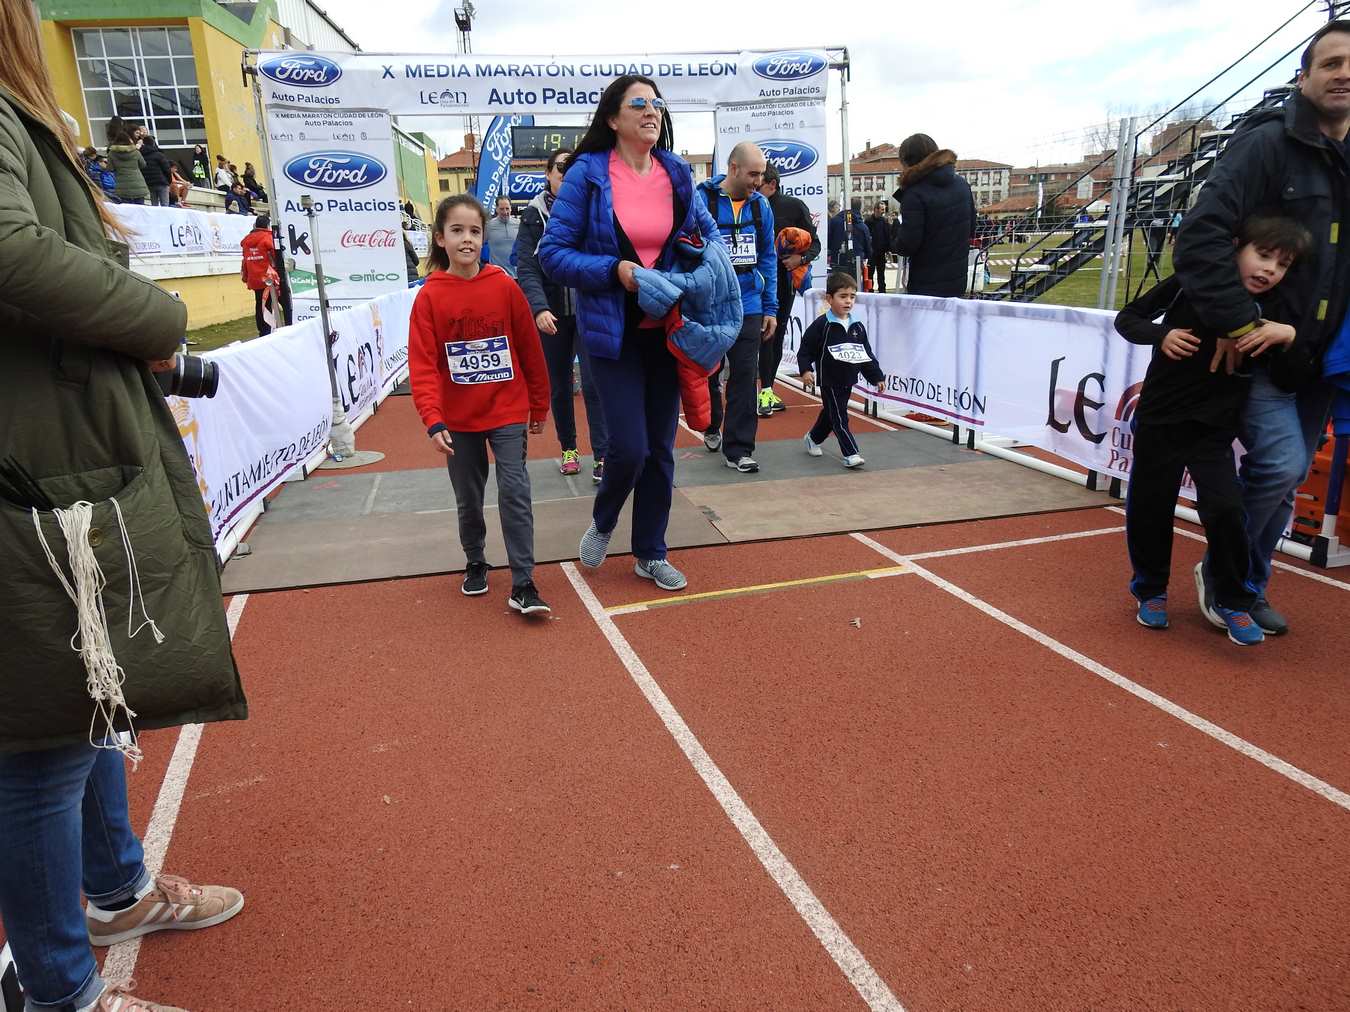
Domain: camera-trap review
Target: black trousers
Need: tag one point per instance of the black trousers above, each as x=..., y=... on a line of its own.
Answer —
x=771, y=351
x=833, y=417
x=878, y=275
x=738, y=421
x=1162, y=451
x=264, y=327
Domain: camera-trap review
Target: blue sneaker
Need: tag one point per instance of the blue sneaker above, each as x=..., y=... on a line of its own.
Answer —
x=1242, y=628
x=1153, y=612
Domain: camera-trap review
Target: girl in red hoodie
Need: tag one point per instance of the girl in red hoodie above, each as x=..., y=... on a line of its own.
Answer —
x=478, y=379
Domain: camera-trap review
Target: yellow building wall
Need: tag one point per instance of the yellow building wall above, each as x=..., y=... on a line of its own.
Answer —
x=433, y=187
x=58, y=51
x=232, y=127
x=216, y=298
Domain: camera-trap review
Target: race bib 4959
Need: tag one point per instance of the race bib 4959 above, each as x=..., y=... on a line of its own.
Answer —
x=484, y=361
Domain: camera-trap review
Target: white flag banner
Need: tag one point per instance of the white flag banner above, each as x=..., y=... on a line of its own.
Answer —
x=173, y=231
x=344, y=160
x=456, y=85
x=792, y=136
x=1053, y=377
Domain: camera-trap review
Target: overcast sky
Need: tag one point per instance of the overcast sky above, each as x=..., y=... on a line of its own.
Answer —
x=1020, y=81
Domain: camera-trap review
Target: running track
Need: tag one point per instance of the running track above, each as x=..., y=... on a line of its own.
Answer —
x=934, y=771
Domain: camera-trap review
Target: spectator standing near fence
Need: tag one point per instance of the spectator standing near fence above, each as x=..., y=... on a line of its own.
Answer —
x=937, y=219
x=880, y=232
x=844, y=254
x=80, y=332
x=616, y=211
x=788, y=212
x=201, y=166
x=1291, y=159
x=554, y=308
x=502, y=230
x=259, y=255
x=745, y=219
x=158, y=171
x=127, y=165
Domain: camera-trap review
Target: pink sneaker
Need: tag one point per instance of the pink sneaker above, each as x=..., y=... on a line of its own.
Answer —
x=172, y=904
x=571, y=462
x=116, y=999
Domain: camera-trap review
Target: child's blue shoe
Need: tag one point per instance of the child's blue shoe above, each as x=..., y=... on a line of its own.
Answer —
x=1153, y=612
x=1242, y=628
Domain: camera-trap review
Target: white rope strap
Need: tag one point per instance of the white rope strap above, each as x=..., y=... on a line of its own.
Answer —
x=91, y=640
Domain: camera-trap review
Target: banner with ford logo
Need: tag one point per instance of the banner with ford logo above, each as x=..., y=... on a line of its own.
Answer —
x=343, y=159
x=792, y=137
x=473, y=83
x=494, y=161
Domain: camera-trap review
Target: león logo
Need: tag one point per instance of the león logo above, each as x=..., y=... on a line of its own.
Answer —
x=789, y=157
x=1070, y=408
x=789, y=66
x=335, y=170
x=301, y=71
x=1129, y=400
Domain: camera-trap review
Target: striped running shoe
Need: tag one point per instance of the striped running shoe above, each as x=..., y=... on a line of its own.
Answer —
x=1242, y=629
x=594, y=547
x=571, y=462
x=171, y=904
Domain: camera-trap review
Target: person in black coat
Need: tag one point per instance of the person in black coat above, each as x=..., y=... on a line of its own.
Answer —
x=881, y=246
x=156, y=171
x=788, y=212
x=937, y=219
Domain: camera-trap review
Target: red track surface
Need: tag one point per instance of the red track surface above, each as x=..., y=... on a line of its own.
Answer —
x=437, y=804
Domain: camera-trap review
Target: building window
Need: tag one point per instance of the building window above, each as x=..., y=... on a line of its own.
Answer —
x=445, y=186
x=146, y=75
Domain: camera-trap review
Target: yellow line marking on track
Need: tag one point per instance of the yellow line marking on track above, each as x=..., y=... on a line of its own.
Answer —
x=759, y=588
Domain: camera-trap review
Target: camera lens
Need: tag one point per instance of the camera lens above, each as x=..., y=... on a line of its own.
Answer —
x=191, y=376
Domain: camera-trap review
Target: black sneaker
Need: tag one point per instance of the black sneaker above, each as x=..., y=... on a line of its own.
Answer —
x=598, y=472
x=1271, y=621
x=475, y=579
x=526, y=600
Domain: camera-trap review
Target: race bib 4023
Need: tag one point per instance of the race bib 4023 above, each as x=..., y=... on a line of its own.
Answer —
x=483, y=361
x=851, y=353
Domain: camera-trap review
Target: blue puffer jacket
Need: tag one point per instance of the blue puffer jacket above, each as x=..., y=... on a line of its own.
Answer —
x=759, y=287
x=705, y=286
x=580, y=248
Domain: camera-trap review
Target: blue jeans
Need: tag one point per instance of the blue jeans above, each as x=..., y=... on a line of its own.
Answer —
x=640, y=397
x=1280, y=431
x=63, y=823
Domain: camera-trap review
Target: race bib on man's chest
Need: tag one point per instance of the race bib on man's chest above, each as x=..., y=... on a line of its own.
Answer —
x=743, y=251
x=850, y=354
x=484, y=361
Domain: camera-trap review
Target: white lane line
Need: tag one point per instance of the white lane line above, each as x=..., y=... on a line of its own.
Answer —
x=1206, y=727
x=841, y=949
x=121, y=961
x=1275, y=563
x=374, y=491
x=973, y=549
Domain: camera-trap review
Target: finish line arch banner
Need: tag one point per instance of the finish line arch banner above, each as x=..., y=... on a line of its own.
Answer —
x=473, y=83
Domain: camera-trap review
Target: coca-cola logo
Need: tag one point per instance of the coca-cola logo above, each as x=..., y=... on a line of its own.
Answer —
x=380, y=238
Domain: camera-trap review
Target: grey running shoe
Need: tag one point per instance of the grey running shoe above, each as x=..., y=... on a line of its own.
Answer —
x=713, y=441
x=594, y=547
x=1271, y=621
x=666, y=576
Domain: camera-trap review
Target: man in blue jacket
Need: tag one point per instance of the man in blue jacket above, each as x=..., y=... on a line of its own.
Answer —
x=745, y=220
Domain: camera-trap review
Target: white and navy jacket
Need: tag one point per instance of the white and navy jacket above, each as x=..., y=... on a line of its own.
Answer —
x=836, y=352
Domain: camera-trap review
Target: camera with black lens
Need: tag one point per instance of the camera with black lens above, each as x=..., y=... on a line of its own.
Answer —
x=191, y=376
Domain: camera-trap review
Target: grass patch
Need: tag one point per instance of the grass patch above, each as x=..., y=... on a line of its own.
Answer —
x=218, y=335
x=1080, y=288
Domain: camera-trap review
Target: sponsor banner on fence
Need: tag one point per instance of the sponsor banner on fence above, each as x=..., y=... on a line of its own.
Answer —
x=173, y=231
x=492, y=178
x=792, y=137
x=274, y=406
x=343, y=159
x=455, y=85
x=1054, y=377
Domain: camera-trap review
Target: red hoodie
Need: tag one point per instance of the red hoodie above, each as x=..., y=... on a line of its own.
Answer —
x=474, y=358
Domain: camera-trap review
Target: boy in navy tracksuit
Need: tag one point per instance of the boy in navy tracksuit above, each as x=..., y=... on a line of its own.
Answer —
x=834, y=351
x=745, y=220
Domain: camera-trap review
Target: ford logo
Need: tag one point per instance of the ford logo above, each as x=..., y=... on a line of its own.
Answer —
x=525, y=185
x=789, y=157
x=301, y=71
x=334, y=170
x=789, y=66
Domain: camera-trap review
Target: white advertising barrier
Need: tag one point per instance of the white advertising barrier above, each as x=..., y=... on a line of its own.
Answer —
x=344, y=160
x=792, y=137
x=456, y=85
x=162, y=231
x=1053, y=377
x=273, y=411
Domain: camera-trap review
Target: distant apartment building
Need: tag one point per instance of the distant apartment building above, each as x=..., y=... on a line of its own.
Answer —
x=875, y=176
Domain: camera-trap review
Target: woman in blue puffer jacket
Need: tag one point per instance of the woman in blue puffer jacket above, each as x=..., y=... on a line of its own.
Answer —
x=624, y=201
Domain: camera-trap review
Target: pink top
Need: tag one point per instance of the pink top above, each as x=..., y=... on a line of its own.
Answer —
x=644, y=206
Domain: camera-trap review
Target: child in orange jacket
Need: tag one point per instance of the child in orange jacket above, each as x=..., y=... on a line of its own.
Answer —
x=479, y=379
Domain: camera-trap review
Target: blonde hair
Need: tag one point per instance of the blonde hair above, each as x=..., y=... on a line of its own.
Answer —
x=23, y=73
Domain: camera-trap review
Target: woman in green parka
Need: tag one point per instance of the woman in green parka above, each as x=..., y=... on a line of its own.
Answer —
x=111, y=616
x=128, y=165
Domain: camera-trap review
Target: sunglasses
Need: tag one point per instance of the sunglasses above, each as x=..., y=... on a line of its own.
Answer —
x=639, y=103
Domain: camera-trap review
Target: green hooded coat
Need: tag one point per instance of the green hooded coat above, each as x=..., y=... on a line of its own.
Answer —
x=80, y=410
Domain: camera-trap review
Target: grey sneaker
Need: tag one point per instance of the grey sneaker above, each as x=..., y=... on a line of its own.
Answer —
x=746, y=464
x=1205, y=595
x=594, y=547
x=666, y=576
x=854, y=460
x=812, y=448
x=1272, y=623
x=713, y=441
